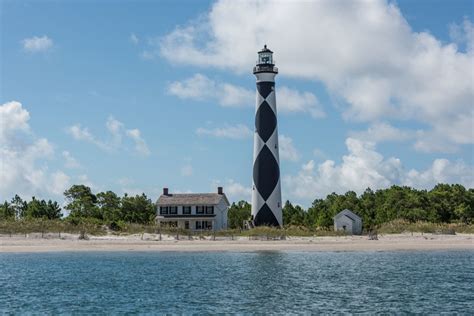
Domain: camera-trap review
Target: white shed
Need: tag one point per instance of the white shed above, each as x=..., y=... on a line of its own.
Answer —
x=348, y=222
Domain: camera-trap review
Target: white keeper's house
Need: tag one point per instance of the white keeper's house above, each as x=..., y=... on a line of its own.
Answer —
x=194, y=211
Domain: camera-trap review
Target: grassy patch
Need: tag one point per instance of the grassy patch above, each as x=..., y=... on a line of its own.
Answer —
x=401, y=226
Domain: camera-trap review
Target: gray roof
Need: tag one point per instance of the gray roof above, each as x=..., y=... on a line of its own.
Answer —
x=351, y=215
x=192, y=199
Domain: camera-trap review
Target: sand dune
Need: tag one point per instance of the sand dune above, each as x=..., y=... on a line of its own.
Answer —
x=150, y=242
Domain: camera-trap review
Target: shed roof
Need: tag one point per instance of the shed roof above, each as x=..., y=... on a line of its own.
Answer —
x=349, y=214
x=192, y=199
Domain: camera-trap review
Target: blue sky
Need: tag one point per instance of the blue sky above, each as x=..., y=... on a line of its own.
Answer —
x=134, y=96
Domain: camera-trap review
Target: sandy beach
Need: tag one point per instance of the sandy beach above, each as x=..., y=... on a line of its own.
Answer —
x=150, y=242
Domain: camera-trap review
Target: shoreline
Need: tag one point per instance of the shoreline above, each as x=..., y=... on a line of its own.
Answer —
x=151, y=243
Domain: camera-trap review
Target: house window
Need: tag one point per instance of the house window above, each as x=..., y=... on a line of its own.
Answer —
x=209, y=209
x=198, y=225
x=207, y=225
x=163, y=210
x=199, y=209
x=173, y=210
x=186, y=225
x=186, y=210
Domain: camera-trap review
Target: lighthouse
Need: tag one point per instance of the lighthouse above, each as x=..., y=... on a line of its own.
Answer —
x=266, y=188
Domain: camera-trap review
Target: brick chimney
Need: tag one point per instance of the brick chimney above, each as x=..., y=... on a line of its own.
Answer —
x=165, y=191
x=220, y=190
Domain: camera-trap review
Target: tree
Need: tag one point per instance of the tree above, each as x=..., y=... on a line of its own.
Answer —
x=138, y=209
x=110, y=206
x=42, y=209
x=35, y=208
x=53, y=210
x=19, y=206
x=465, y=213
x=293, y=215
x=367, y=207
x=238, y=213
x=81, y=201
x=7, y=212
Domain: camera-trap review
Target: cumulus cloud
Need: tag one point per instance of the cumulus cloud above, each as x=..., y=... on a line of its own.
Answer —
x=290, y=100
x=238, y=131
x=201, y=88
x=13, y=119
x=37, y=44
x=463, y=34
x=364, y=167
x=24, y=159
x=287, y=149
x=364, y=52
x=383, y=132
x=116, y=132
x=234, y=191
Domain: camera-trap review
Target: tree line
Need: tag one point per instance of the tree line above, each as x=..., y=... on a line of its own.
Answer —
x=443, y=204
x=82, y=204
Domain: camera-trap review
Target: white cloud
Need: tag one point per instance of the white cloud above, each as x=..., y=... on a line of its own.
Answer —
x=116, y=131
x=287, y=149
x=238, y=131
x=134, y=38
x=59, y=182
x=233, y=190
x=37, y=44
x=69, y=161
x=290, y=100
x=364, y=167
x=201, y=88
x=383, y=132
x=80, y=133
x=320, y=154
x=84, y=179
x=83, y=134
x=187, y=170
x=140, y=145
x=365, y=53
x=441, y=171
x=463, y=34
x=13, y=119
x=24, y=159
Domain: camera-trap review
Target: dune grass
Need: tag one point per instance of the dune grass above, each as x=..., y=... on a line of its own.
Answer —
x=401, y=226
x=96, y=228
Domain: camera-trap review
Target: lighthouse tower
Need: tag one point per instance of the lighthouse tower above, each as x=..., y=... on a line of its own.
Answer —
x=266, y=189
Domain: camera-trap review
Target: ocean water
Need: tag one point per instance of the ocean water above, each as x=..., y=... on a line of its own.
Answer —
x=258, y=282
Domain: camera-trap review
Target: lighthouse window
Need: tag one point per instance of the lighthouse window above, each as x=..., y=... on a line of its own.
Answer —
x=266, y=58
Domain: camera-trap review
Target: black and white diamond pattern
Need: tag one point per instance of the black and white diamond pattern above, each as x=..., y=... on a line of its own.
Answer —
x=266, y=194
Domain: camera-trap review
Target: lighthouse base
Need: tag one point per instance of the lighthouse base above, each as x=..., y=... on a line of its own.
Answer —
x=265, y=217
